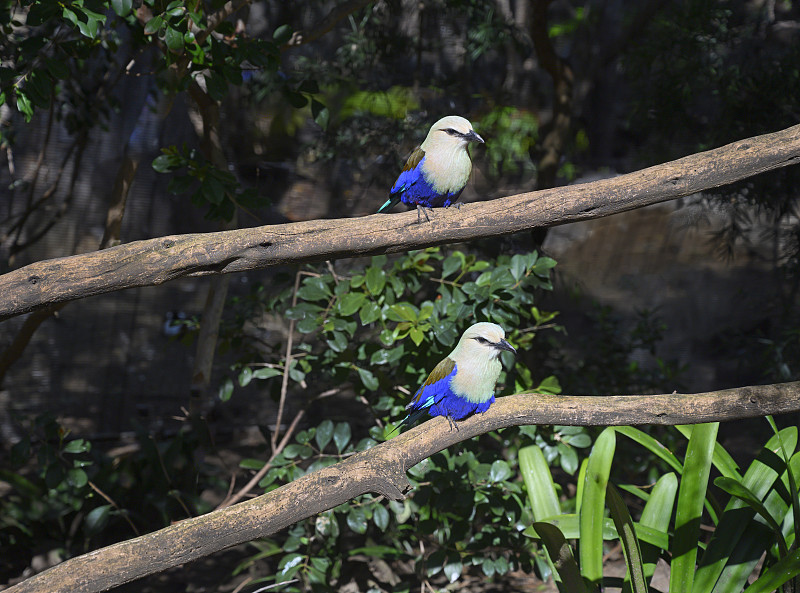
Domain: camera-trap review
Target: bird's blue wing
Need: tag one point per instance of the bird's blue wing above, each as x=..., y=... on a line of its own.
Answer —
x=411, y=174
x=435, y=387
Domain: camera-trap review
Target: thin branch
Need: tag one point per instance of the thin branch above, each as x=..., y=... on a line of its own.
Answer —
x=382, y=470
x=286, y=367
x=155, y=261
x=230, y=500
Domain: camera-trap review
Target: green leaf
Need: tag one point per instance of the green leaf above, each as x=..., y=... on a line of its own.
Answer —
x=691, y=496
x=165, y=163
x=369, y=313
x=453, y=570
x=539, y=483
x=452, y=264
x=561, y=556
x=341, y=435
x=338, y=342
x=324, y=434
x=417, y=335
x=314, y=289
x=122, y=7
x=153, y=25
x=351, y=302
x=267, y=373
x=174, y=40
x=593, y=505
x=24, y=105
x=226, y=389
x=627, y=535
x=282, y=34
x=777, y=574
x=77, y=478
x=518, y=266
x=357, y=520
x=380, y=516
x=97, y=519
x=737, y=535
x=368, y=379
x=657, y=510
x=375, y=280
x=568, y=458
x=721, y=460
x=245, y=376
x=77, y=446
x=403, y=312
x=740, y=491
x=254, y=464
x=500, y=471
x=289, y=565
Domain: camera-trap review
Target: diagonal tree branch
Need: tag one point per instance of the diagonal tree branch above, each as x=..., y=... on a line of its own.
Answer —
x=382, y=470
x=154, y=261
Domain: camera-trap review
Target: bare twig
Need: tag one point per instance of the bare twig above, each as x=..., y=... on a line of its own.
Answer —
x=229, y=500
x=286, y=367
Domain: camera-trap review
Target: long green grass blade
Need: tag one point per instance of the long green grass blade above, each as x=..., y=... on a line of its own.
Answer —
x=759, y=478
x=756, y=538
x=657, y=511
x=740, y=491
x=777, y=574
x=581, y=482
x=627, y=537
x=691, y=495
x=539, y=483
x=561, y=557
x=592, y=510
x=790, y=476
x=722, y=460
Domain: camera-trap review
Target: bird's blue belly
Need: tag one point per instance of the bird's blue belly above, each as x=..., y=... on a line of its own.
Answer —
x=458, y=408
x=422, y=193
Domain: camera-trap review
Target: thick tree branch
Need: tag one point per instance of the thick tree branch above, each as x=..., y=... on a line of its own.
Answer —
x=382, y=470
x=154, y=261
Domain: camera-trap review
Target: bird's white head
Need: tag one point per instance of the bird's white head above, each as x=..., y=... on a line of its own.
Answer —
x=447, y=164
x=451, y=132
x=482, y=341
x=476, y=357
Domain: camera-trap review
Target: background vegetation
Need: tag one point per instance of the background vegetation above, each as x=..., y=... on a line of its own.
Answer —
x=279, y=111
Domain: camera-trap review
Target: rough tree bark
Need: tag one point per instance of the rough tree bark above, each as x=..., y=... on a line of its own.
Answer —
x=154, y=261
x=382, y=470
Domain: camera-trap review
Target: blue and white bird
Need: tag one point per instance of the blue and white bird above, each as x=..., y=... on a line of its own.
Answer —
x=463, y=383
x=438, y=169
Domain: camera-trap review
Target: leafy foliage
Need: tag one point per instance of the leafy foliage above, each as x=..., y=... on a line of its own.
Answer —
x=759, y=517
x=75, y=498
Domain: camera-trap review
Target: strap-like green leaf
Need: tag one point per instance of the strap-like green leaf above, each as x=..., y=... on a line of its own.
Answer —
x=691, y=495
x=627, y=536
x=592, y=508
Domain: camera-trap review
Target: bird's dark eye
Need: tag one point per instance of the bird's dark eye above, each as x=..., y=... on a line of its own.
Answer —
x=452, y=132
x=482, y=340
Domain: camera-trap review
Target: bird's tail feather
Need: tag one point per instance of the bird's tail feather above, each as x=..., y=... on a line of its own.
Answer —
x=412, y=418
x=389, y=204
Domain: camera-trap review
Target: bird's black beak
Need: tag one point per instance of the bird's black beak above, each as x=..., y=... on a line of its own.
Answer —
x=473, y=137
x=503, y=345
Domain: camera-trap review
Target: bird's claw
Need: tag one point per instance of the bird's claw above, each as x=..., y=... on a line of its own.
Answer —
x=421, y=208
x=453, y=425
